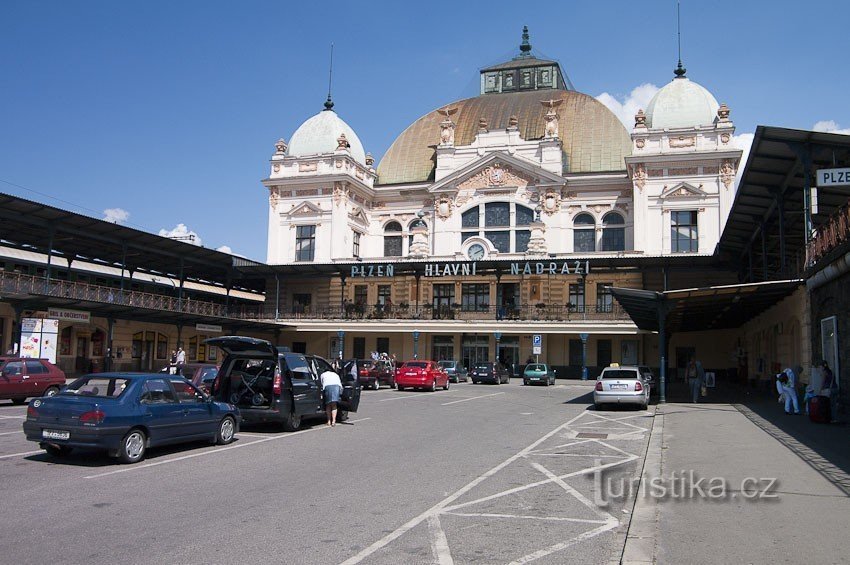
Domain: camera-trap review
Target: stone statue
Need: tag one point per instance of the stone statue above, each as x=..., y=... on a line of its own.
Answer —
x=342, y=143
x=551, y=117
x=447, y=126
x=640, y=119
x=482, y=125
x=280, y=146
x=513, y=122
x=723, y=113
x=369, y=160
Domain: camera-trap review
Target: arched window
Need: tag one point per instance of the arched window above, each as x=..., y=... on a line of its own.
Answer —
x=392, y=240
x=613, y=232
x=584, y=234
x=417, y=223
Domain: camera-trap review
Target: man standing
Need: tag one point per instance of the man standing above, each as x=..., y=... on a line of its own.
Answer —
x=181, y=360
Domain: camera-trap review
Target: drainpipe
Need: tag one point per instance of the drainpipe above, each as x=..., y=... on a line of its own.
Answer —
x=835, y=269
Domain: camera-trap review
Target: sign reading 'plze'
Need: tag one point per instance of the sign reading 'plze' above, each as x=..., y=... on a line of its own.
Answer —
x=471, y=269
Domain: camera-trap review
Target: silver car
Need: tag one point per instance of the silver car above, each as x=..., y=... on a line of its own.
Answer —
x=621, y=385
x=456, y=371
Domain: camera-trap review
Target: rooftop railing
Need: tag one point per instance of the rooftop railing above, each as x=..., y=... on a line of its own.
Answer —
x=830, y=235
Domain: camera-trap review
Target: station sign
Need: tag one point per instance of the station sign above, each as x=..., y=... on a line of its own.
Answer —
x=470, y=268
x=833, y=177
x=211, y=328
x=69, y=315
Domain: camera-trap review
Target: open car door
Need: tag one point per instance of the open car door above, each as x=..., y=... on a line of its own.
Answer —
x=244, y=346
x=350, y=377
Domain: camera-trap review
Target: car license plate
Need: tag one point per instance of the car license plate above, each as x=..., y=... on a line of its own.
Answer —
x=55, y=434
x=619, y=386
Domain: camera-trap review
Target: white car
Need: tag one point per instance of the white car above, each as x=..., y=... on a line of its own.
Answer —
x=621, y=385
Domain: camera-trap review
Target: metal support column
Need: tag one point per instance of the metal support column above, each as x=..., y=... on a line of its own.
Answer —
x=110, y=353
x=763, y=253
x=51, y=232
x=584, y=337
x=662, y=350
x=780, y=206
x=276, y=296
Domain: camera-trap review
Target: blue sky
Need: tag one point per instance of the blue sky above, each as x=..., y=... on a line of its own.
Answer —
x=166, y=112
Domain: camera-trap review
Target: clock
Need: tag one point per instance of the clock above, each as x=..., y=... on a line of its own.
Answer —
x=476, y=251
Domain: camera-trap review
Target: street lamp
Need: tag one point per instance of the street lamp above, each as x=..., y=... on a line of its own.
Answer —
x=584, y=355
x=416, y=344
x=498, y=336
x=340, y=334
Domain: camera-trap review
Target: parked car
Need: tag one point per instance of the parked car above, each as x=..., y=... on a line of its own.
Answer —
x=273, y=385
x=382, y=372
x=649, y=377
x=421, y=374
x=22, y=378
x=621, y=385
x=127, y=413
x=536, y=373
x=456, y=371
x=201, y=375
x=492, y=372
x=363, y=368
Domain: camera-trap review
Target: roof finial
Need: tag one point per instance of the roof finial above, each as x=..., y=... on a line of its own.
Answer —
x=525, y=46
x=679, y=70
x=329, y=104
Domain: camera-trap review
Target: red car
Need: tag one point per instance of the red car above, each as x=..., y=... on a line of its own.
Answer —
x=421, y=374
x=23, y=378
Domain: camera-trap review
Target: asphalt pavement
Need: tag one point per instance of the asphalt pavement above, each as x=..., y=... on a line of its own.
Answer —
x=476, y=474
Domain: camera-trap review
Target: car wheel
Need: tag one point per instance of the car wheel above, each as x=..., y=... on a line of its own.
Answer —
x=392, y=384
x=447, y=385
x=376, y=385
x=342, y=415
x=132, y=448
x=292, y=423
x=18, y=401
x=433, y=385
x=524, y=382
x=51, y=391
x=226, y=431
x=399, y=387
x=57, y=450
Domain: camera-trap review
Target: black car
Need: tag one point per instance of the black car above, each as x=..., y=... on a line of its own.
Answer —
x=273, y=385
x=493, y=372
x=126, y=413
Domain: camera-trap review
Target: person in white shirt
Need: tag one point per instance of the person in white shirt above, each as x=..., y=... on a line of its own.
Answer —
x=331, y=390
x=181, y=360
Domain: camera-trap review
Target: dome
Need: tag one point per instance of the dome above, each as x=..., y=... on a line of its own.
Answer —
x=593, y=139
x=682, y=103
x=319, y=135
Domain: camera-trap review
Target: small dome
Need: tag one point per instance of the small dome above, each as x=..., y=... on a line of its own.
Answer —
x=319, y=134
x=682, y=103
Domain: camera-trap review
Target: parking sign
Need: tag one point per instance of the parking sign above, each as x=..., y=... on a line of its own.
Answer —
x=536, y=344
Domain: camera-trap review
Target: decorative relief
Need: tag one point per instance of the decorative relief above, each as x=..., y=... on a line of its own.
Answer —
x=370, y=161
x=340, y=192
x=342, y=143
x=727, y=173
x=447, y=127
x=496, y=175
x=280, y=147
x=462, y=198
x=443, y=207
x=574, y=209
x=723, y=113
x=682, y=141
x=307, y=167
x=513, y=123
x=276, y=167
x=482, y=125
x=274, y=198
x=724, y=138
x=378, y=205
x=639, y=175
x=640, y=143
x=655, y=172
x=551, y=202
x=307, y=192
x=710, y=170
x=571, y=195
x=640, y=120
x=551, y=117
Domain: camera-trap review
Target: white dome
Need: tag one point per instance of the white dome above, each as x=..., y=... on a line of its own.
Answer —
x=319, y=135
x=681, y=104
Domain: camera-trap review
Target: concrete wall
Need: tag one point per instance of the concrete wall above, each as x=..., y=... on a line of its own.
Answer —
x=833, y=299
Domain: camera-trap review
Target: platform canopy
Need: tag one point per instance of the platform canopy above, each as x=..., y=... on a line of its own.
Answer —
x=700, y=309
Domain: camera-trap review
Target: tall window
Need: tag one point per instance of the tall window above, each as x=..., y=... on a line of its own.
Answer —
x=502, y=223
x=584, y=234
x=361, y=291
x=392, y=240
x=355, y=251
x=443, y=296
x=384, y=294
x=684, y=237
x=613, y=232
x=604, y=298
x=305, y=243
x=475, y=296
x=576, y=297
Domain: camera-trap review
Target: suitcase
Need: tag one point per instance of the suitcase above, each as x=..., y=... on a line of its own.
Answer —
x=819, y=409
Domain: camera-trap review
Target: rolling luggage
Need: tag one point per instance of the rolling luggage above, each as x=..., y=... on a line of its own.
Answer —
x=819, y=409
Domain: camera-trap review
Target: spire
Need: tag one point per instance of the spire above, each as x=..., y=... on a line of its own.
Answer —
x=329, y=104
x=525, y=46
x=679, y=71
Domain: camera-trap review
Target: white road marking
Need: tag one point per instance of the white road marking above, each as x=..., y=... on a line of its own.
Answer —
x=439, y=543
x=414, y=396
x=245, y=434
x=515, y=516
x=443, y=504
x=14, y=417
x=212, y=451
x=24, y=454
x=561, y=546
x=7, y=433
x=472, y=398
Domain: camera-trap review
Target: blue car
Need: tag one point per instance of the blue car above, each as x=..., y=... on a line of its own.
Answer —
x=126, y=413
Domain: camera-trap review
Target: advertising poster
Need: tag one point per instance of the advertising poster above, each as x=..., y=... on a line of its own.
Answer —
x=38, y=338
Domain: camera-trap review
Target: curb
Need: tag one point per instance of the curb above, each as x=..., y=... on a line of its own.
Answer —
x=641, y=538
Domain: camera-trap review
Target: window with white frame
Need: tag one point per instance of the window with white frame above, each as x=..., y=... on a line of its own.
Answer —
x=355, y=245
x=305, y=243
x=584, y=234
x=392, y=240
x=684, y=237
x=613, y=232
x=504, y=224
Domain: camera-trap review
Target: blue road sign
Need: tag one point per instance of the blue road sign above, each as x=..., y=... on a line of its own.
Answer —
x=537, y=340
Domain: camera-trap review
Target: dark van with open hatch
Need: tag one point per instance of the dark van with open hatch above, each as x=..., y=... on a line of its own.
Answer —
x=271, y=384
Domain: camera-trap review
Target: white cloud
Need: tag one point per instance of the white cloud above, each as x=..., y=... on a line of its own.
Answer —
x=116, y=215
x=181, y=232
x=627, y=106
x=830, y=126
x=225, y=249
